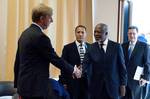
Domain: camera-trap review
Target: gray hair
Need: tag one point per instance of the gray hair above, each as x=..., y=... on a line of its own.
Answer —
x=41, y=10
x=103, y=27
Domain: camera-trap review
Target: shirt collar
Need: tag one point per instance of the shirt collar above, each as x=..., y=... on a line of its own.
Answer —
x=38, y=26
x=77, y=43
x=105, y=42
x=132, y=43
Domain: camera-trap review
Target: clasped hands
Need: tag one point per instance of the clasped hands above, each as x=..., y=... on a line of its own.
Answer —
x=77, y=73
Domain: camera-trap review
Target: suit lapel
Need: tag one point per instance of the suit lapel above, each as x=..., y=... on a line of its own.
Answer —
x=97, y=47
x=126, y=54
x=109, y=47
x=87, y=46
x=75, y=50
x=135, y=49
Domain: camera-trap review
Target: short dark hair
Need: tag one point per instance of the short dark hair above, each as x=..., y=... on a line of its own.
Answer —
x=80, y=26
x=133, y=27
x=41, y=10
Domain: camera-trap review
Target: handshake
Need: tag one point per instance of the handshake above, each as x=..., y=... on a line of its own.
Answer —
x=77, y=73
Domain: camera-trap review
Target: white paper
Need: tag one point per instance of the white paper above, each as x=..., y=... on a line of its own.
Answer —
x=138, y=73
x=6, y=97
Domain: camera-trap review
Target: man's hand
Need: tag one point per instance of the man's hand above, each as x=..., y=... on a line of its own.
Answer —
x=77, y=72
x=142, y=82
x=122, y=90
x=80, y=67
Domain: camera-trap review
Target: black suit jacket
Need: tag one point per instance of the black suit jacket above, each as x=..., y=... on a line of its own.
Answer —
x=31, y=69
x=139, y=57
x=107, y=69
x=71, y=55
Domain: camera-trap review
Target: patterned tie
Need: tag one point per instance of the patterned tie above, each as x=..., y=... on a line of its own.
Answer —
x=81, y=52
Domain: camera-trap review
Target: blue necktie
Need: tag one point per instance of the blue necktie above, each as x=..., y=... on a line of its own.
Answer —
x=130, y=50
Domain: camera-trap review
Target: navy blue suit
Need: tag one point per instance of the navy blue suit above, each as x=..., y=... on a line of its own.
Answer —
x=139, y=57
x=77, y=88
x=31, y=69
x=108, y=70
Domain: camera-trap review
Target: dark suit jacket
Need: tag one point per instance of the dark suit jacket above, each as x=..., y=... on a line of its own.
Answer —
x=139, y=57
x=31, y=69
x=107, y=69
x=71, y=55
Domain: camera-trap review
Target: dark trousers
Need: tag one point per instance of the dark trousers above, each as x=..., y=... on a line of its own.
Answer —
x=103, y=94
x=23, y=97
x=78, y=89
x=137, y=93
x=50, y=94
x=128, y=94
x=146, y=91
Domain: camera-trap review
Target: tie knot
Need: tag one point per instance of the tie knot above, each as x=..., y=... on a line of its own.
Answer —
x=131, y=46
x=81, y=45
x=101, y=44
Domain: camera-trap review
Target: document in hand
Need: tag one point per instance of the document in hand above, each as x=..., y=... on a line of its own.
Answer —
x=138, y=73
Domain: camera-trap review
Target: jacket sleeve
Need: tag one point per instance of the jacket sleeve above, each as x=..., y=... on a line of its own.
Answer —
x=146, y=59
x=16, y=68
x=122, y=67
x=63, y=78
x=46, y=50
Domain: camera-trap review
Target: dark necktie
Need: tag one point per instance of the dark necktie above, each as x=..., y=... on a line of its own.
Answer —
x=81, y=52
x=101, y=47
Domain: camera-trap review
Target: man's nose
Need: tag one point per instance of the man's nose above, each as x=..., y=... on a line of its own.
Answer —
x=81, y=33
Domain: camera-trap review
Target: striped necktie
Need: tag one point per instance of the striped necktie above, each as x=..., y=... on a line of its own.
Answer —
x=81, y=52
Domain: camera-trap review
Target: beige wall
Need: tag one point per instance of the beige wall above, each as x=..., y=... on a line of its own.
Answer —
x=3, y=39
x=106, y=11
